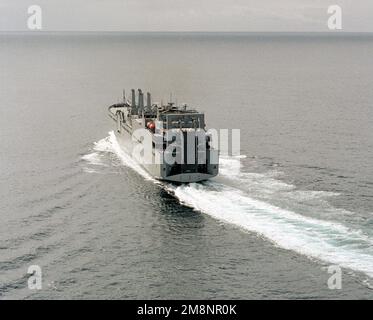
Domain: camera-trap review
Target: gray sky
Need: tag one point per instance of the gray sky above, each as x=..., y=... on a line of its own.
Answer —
x=187, y=15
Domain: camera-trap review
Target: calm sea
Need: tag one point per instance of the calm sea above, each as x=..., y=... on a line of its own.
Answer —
x=298, y=200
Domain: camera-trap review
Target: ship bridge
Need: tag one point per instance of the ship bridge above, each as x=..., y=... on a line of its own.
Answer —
x=182, y=119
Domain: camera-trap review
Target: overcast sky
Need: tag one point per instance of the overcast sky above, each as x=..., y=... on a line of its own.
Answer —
x=187, y=15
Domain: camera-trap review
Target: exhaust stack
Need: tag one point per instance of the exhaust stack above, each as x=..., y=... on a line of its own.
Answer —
x=133, y=102
x=141, y=101
x=148, y=101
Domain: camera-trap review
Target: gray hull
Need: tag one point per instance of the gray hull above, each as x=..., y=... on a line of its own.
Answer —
x=163, y=171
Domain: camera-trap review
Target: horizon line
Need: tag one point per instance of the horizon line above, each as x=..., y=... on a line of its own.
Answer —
x=336, y=32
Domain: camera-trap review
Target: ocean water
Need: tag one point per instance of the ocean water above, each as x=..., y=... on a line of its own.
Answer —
x=297, y=200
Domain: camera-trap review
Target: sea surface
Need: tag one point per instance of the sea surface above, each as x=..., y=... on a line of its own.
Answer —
x=298, y=199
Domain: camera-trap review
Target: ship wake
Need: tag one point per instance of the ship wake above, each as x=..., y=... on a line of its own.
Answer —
x=239, y=198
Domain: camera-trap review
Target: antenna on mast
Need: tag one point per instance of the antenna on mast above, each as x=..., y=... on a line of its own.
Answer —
x=124, y=96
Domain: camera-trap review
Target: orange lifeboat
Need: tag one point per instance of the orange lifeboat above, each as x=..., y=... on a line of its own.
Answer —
x=151, y=126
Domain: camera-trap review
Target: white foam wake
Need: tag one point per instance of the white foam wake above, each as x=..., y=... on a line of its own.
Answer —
x=328, y=241
x=93, y=158
x=110, y=144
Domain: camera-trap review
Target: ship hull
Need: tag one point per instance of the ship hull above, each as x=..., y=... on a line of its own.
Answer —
x=161, y=171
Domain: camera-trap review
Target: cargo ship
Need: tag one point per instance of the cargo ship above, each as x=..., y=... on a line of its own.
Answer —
x=170, y=142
